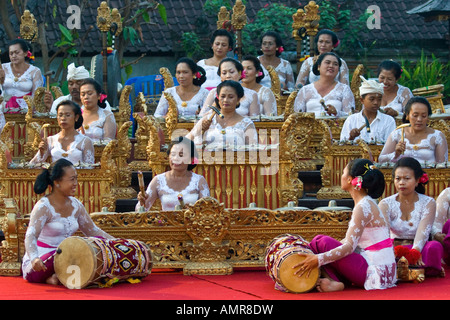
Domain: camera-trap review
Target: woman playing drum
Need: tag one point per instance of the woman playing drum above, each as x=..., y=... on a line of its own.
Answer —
x=366, y=255
x=54, y=218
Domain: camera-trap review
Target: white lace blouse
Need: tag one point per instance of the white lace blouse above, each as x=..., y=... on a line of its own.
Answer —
x=418, y=228
x=400, y=100
x=341, y=97
x=240, y=134
x=191, y=108
x=103, y=129
x=267, y=101
x=307, y=76
x=248, y=106
x=285, y=73
x=158, y=188
x=80, y=150
x=27, y=83
x=368, y=227
x=433, y=149
x=442, y=211
x=212, y=78
x=47, y=226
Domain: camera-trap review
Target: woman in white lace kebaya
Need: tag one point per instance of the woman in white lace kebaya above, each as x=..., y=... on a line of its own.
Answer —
x=253, y=74
x=178, y=186
x=221, y=43
x=272, y=47
x=54, y=218
x=365, y=257
x=395, y=95
x=326, y=40
x=99, y=124
x=441, y=227
x=418, y=140
x=411, y=215
x=188, y=95
x=231, y=69
x=326, y=96
x=233, y=131
x=18, y=77
x=68, y=143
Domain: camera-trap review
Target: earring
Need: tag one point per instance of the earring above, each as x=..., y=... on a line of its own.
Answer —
x=57, y=185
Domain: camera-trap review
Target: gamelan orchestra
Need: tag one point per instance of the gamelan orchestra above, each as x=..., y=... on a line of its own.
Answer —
x=213, y=172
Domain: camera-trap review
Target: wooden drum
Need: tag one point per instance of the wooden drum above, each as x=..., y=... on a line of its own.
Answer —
x=87, y=261
x=281, y=256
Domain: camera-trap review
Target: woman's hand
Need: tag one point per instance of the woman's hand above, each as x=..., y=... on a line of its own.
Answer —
x=43, y=146
x=310, y=263
x=400, y=148
x=391, y=112
x=38, y=265
x=142, y=197
x=331, y=110
x=206, y=123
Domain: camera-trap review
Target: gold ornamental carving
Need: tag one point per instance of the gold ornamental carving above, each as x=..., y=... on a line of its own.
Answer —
x=104, y=17
x=28, y=27
x=223, y=18
x=239, y=17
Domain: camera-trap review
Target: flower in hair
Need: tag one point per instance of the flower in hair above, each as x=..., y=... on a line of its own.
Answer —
x=30, y=56
x=243, y=75
x=357, y=182
x=194, y=160
x=424, y=178
x=198, y=75
x=102, y=97
x=337, y=44
x=280, y=50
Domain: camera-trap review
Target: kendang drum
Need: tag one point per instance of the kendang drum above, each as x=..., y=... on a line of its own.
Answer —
x=281, y=255
x=88, y=261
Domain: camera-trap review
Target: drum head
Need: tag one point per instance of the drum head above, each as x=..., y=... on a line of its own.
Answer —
x=76, y=263
x=292, y=282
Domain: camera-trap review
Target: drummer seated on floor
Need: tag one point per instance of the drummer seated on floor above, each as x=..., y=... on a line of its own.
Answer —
x=370, y=125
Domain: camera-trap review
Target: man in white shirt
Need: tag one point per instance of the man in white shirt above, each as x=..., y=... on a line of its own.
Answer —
x=75, y=77
x=370, y=124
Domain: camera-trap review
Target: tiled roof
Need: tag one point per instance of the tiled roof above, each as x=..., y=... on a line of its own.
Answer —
x=187, y=15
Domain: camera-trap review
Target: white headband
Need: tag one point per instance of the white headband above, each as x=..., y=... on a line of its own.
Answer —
x=79, y=73
x=370, y=86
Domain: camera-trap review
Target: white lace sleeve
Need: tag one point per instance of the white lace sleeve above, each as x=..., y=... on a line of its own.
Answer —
x=344, y=73
x=203, y=188
x=209, y=101
x=425, y=225
x=38, y=218
x=305, y=69
x=441, y=151
x=300, y=101
x=267, y=101
x=348, y=102
x=37, y=80
x=442, y=211
x=87, y=148
x=388, y=152
x=162, y=108
x=361, y=217
x=110, y=127
x=38, y=158
x=86, y=225
x=152, y=195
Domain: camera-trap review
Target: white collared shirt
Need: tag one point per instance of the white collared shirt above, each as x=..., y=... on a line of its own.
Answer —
x=380, y=128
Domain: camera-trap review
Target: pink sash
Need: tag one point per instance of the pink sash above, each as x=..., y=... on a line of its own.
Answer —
x=44, y=245
x=380, y=245
x=12, y=106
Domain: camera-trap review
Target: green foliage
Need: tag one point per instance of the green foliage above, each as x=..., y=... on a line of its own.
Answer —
x=424, y=73
x=190, y=43
x=273, y=17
